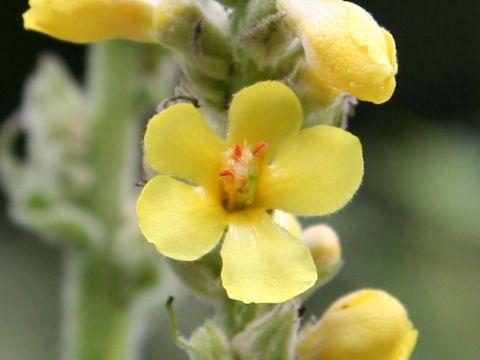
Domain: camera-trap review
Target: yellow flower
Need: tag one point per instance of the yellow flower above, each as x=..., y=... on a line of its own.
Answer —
x=83, y=21
x=345, y=47
x=364, y=325
x=265, y=163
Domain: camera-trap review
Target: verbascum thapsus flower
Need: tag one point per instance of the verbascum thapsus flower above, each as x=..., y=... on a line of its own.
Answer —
x=345, y=47
x=265, y=163
x=83, y=21
x=364, y=325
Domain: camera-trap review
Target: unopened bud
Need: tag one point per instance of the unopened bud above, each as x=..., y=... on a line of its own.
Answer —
x=196, y=34
x=364, y=325
x=324, y=245
x=345, y=46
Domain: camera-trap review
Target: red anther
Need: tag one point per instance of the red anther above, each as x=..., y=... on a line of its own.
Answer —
x=237, y=152
x=259, y=148
x=226, y=173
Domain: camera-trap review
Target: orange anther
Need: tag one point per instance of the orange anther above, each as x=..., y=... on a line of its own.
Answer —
x=259, y=148
x=237, y=152
x=226, y=173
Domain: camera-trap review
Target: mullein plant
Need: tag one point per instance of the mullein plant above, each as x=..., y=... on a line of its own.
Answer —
x=249, y=130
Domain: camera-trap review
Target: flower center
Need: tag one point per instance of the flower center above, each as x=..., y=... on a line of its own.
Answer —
x=238, y=180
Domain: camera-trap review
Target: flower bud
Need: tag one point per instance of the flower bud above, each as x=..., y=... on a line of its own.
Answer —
x=324, y=245
x=345, y=47
x=197, y=32
x=364, y=325
x=197, y=35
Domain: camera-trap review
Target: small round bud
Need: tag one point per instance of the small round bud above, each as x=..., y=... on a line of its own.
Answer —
x=324, y=245
x=364, y=325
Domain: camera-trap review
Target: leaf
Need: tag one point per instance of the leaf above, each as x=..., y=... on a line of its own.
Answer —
x=209, y=343
x=271, y=337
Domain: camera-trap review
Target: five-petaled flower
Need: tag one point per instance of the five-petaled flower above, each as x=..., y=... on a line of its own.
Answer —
x=266, y=163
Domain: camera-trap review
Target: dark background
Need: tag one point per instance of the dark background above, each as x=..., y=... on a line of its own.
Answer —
x=413, y=229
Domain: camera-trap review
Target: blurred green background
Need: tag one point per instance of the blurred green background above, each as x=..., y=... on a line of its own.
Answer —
x=413, y=228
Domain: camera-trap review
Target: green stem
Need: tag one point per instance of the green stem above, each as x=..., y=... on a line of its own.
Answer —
x=116, y=68
x=99, y=290
x=96, y=310
x=177, y=337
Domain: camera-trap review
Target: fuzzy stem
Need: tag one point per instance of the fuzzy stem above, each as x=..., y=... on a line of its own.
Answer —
x=95, y=311
x=98, y=296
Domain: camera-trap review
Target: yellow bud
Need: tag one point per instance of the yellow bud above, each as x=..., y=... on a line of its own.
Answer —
x=324, y=245
x=345, y=47
x=364, y=325
x=287, y=221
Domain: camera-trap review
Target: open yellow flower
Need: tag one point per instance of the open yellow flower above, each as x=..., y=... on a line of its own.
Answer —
x=265, y=163
x=345, y=47
x=83, y=21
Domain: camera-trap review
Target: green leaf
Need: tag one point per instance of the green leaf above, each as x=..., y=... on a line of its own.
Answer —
x=201, y=276
x=271, y=337
x=209, y=343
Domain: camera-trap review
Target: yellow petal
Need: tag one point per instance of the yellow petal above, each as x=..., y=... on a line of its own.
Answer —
x=267, y=111
x=262, y=262
x=315, y=173
x=179, y=142
x=345, y=47
x=83, y=21
x=406, y=346
x=179, y=219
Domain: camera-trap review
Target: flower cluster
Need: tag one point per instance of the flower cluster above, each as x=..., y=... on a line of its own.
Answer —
x=345, y=48
x=238, y=193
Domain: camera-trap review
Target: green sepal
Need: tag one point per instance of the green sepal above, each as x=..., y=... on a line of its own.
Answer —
x=263, y=35
x=202, y=276
x=198, y=38
x=336, y=114
x=270, y=337
x=209, y=343
x=235, y=315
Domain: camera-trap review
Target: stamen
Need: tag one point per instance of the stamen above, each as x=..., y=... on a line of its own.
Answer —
x=237, y=152
x=226, y=173
x=259, y=148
